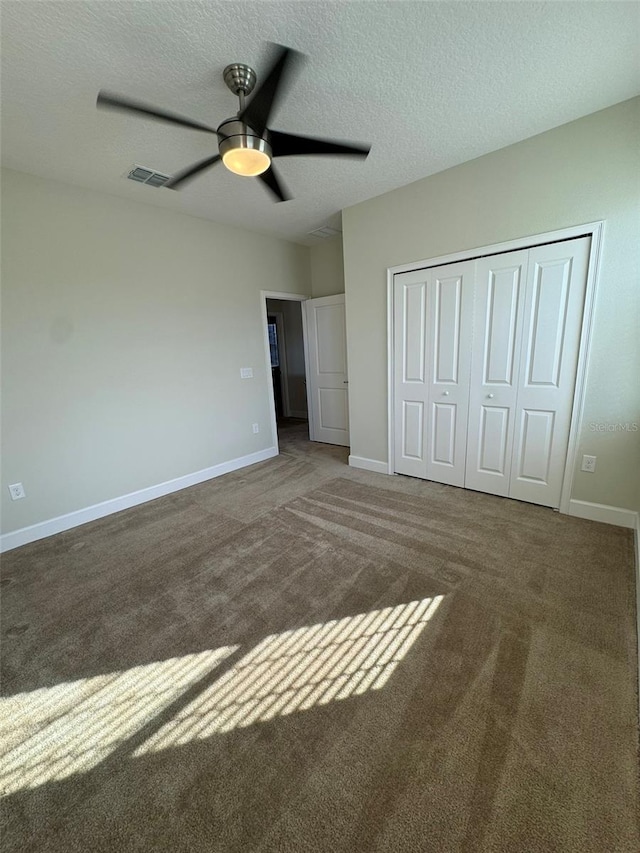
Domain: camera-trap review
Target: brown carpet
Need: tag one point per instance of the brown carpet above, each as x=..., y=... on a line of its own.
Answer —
x=303, y=657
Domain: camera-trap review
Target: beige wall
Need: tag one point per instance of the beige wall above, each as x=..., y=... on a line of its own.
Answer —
x=327, y=268
x=124, y=331
x=581, y=172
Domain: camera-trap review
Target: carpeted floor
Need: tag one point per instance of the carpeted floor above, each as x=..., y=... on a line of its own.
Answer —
x=303, y=657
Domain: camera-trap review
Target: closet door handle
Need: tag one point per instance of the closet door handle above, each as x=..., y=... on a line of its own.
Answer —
x=490, y=396
x=445, y=393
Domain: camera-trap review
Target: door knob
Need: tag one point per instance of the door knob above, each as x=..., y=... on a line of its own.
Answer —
x=445, y=393
x=490, y=396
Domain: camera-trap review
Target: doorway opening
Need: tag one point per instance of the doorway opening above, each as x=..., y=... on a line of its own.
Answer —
x=285, y=337
x=305, y=350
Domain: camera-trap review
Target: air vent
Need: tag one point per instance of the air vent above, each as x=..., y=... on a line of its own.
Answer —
x=324, y=233
x=148, y=176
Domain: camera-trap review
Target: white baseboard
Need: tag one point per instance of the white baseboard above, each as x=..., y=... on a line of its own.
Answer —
x=369, y=464
x=74, y=519
x=601, y=512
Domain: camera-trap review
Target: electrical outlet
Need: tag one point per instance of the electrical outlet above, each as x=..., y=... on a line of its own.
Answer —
x=255, y=428
x=588, y=464
x=17, y=491
x=246, y=373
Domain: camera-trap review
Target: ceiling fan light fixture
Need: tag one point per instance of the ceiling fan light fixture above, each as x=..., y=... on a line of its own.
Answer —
x=242, y=152
x=248, y=162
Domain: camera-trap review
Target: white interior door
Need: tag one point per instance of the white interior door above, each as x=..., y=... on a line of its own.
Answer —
x=498, y=311
x=432, y=334
x=327, y=382
x=552, y=322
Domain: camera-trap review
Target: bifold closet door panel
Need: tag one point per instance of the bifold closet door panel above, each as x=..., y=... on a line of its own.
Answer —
x=432, y=352
x=449, y=329
x=410, y=372
x=495, y=368
x=552, y=323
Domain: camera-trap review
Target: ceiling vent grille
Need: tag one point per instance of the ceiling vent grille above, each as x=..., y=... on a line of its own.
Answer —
x=147, y=176
x=324, y=233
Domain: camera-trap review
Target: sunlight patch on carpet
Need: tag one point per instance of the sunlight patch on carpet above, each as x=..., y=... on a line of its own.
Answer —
x=300, y=669
x=54, y=732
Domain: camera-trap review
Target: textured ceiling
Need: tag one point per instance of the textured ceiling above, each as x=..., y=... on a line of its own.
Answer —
x=429, y=85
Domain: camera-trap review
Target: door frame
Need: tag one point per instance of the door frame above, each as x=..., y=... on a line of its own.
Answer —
x=291, y=297
x=595, y=230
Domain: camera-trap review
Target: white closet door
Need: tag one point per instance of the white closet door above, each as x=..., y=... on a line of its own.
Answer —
x=486, y=355
x=552, y=322
x=449, y=329
x=498, y=313
x=410, y=372
x=432, y=334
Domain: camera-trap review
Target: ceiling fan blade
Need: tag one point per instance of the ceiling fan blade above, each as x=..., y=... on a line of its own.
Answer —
x=272, y=181
x=290, y=145
x=111, y=101
x=267, y=96
x=190, y=172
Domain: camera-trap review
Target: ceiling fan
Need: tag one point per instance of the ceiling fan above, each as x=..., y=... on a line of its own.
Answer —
x=246, y=145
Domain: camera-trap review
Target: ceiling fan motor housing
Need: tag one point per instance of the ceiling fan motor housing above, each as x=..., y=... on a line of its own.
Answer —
x=233, y=134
